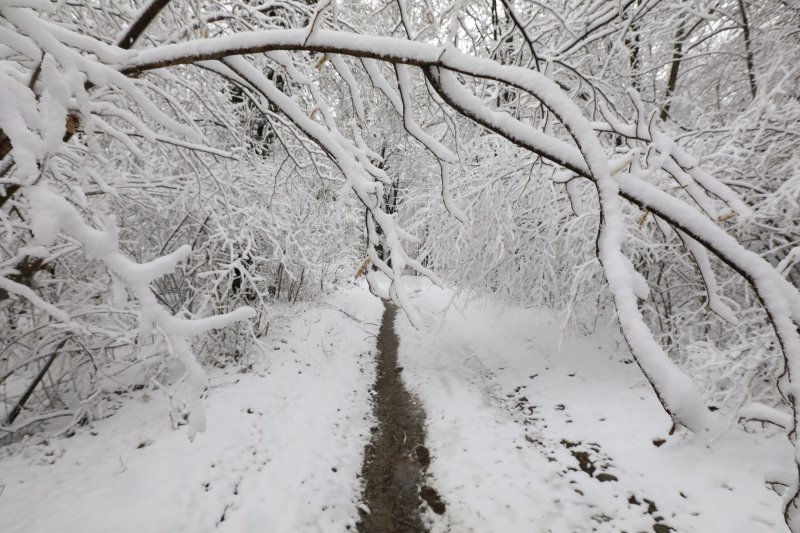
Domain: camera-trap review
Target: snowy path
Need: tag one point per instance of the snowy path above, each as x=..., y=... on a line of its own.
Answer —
x=524, y=436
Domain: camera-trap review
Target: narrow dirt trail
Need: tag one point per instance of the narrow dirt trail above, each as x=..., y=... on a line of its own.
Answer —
x=396, y=458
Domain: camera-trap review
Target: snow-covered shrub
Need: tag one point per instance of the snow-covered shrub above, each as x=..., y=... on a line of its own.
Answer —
x=613, y=111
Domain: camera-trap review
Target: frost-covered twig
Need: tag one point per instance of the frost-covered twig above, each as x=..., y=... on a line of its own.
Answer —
x=53, y=215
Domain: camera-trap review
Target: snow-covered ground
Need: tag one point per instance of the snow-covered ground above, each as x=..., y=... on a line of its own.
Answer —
x=526, y=435
x=529, y=434
x=282, y=451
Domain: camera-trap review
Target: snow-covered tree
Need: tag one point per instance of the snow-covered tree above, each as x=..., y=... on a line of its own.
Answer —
x=548, y=133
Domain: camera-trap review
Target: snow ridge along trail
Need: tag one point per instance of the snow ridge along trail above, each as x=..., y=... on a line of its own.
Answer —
x=529, y=433
x=396, y=458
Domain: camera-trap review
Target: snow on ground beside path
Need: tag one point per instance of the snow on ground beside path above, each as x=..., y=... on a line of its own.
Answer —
x=527, y=436
x=282, y=451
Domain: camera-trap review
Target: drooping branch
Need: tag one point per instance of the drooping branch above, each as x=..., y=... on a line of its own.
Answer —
x=584, y=156
x=144, y=18
x=428, y=57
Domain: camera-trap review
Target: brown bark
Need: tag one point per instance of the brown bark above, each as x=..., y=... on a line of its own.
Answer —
x=136, y=29
x=675, y=65
x=748, y=48
x=32, y=387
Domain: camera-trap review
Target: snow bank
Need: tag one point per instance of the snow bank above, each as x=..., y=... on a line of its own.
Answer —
x=528, y=433
x=282, y=452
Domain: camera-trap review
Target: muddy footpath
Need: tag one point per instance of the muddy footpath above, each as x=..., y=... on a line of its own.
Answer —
x=395, y=494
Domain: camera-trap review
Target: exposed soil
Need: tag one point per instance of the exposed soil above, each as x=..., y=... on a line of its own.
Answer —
x=590, y=458
x=395, y=460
